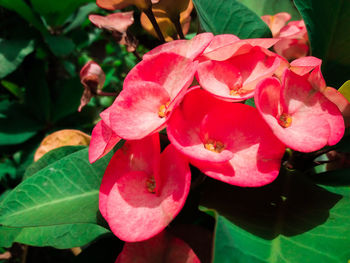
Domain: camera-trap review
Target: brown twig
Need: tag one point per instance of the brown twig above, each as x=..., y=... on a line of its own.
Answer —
x=150, y=15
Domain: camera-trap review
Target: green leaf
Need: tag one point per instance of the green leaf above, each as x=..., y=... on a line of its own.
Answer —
x=13, y=88
x=65, y=192
x=328, y=23
x=230, y=17
x=60, y=45
x=49, y=158
x=24, y=11
x=290, y=220
x=272, y=7
x=81, y=16
x=56, y=12
x=12, y=53
x=60, y=236
x=16, y=126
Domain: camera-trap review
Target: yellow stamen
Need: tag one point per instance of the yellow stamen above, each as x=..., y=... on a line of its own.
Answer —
x=285, y=120
x=214, y=146
x=237, y=90
x=151, y=185
x=163, y=110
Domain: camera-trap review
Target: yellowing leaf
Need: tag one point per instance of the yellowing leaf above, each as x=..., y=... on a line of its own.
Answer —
x=59, y=139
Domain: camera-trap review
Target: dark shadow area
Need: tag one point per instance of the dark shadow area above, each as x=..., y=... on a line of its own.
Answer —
x=105, y=249
x=291, y=205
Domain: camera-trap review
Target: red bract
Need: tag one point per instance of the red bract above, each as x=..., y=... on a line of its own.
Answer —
x=224, y=46
x=142, y=190
x=92, y=77
x=188, y=48
x=298, y=113
x=293, y=37
x=151, y=90
x=119, y=22
x=229, y=142
x=163, y=248
x=103, y=139
x=234, y=79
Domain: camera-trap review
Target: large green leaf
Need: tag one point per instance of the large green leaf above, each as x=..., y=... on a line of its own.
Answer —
x=65, y=192
x=230, y=17
x=51, y=157
x=328, y=23
x=12, y=53
x=60, y=236
x=24, y=11
x=291, y=220
x=271, y=7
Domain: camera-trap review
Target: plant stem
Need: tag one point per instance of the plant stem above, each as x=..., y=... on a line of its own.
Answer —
x=150, y=15
x=178, y=27
x=137, y=55
x=110, y=94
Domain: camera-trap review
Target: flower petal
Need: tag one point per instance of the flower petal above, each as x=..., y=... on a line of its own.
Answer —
x=103, y=139
x=134, y=214
x=135, y=156
x=163, y=248
x=186, y=48
x=135, y=113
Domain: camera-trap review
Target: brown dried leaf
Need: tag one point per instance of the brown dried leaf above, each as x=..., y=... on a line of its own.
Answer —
x=59, y=139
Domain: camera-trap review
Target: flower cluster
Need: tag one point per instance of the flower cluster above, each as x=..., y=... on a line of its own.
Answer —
x=294, y=41
x=196, y=89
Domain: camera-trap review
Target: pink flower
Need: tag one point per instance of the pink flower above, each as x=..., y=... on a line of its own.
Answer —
x=142, y=189
x=235, y=79
x=293, y=36
x=103, y=139
x=187, y=48
x=298, y=113
x=151, y=90
x=163, y=248
x=227, y=141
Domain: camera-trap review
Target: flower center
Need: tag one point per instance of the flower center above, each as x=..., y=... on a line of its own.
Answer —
x=214, y=146
x=151, y=185
x=236, y=89
x=285, y=120
x=163, y=110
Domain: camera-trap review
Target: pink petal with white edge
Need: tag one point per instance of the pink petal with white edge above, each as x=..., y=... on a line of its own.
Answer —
x=235, y=79
x=225, y=46
x=134, y=213
x=163, y=248
x=190, y=49
x=276, y=22
x=165, y=69
x=185, y=122
x=103, y=139
x=134, y=156
x=330, y=110
x=219, y=78
x=292, y=48
x=303, y=135
x=114, y=22
x=257, y=153
x=135, y=113
x=304, y=65
x=309, y=114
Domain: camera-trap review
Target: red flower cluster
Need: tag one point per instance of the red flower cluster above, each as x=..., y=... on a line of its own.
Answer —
x=143, y=189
